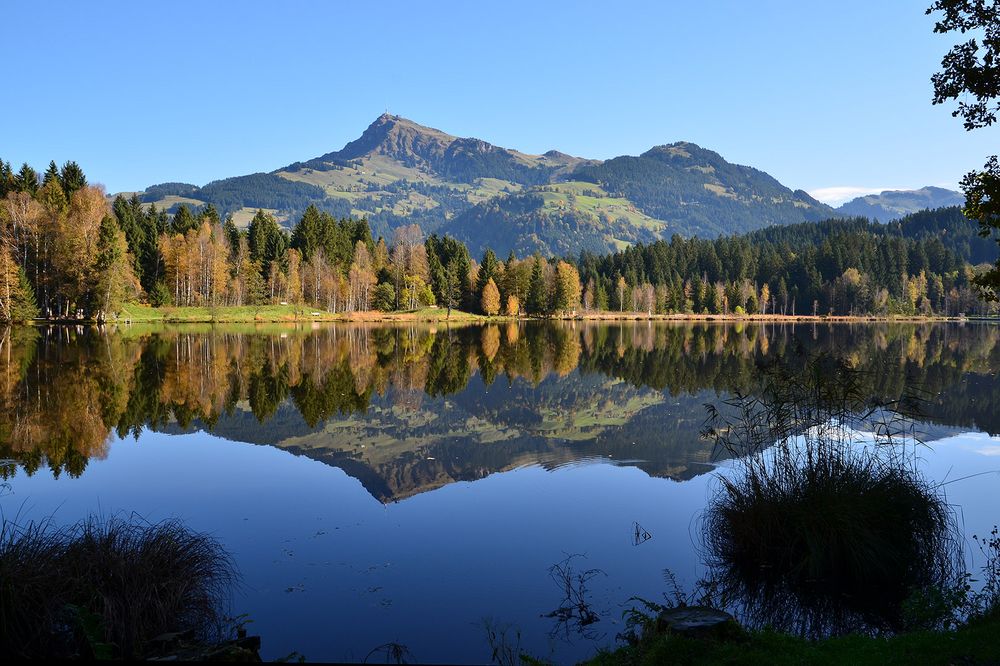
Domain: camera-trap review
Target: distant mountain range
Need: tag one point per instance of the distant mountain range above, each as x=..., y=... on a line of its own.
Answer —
x=399, y=172
x=895, y=204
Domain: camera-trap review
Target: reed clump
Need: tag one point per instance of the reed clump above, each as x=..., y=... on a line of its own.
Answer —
x=106, y=587
x=825, y=525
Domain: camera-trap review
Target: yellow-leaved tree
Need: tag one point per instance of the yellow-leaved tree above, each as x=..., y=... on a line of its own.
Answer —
x=491, y=298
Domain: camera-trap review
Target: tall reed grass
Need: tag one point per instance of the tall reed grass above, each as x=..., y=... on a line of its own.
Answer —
x=107, y=587
x=825, y=523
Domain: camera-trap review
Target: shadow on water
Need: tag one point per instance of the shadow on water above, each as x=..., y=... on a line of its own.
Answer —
x=825, y=525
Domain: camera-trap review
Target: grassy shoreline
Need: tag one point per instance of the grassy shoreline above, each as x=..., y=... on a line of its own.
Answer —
x=974, y=643
x=144, y=314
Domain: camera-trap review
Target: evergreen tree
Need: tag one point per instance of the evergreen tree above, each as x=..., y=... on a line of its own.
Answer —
x=7, y=180
x=307, y=235
x=51, y=174
x=24, y=307
x=446, y=254
x=210, y=214
x=115, y=281
x=451, y=294
x=141, y=234
x=601, y=297
x=255, y=288
x=26, y=180
x=232, y=232
x=489, y=269
x=537, y=294
x=183, y=220
x=53, y=199
x=17, y=298
x=384, y=297
x=72, y=179
x=266, y=240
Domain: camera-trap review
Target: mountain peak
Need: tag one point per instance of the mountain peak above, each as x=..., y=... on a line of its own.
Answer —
x=684, y=152
x=395, y=137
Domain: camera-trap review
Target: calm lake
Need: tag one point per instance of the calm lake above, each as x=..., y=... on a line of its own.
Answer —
x=416, y=484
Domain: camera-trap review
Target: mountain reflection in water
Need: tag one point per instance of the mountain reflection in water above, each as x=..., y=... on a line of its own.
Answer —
x=406, y=409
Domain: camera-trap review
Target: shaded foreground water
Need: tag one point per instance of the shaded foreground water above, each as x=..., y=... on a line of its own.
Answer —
x=439, y=473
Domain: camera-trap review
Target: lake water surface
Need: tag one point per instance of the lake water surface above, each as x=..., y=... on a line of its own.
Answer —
x=414, y=484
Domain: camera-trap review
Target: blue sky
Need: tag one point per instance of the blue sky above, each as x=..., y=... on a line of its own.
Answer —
x=820, y=95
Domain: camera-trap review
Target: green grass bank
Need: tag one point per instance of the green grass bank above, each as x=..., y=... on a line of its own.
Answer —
x=975, y=643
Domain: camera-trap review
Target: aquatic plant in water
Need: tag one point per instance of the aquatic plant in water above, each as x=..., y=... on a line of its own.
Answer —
x=824, y=525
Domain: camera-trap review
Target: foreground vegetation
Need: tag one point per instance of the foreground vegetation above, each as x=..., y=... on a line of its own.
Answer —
x=974, y=643
x=107, y=589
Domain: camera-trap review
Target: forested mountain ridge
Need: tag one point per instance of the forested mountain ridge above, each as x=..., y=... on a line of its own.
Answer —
x=894, y=204
x=683, y=182
x=399, y=172
x=921, y=264
x=66, y=252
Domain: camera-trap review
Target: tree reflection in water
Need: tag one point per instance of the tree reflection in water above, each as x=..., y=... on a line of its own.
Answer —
x=541, y=392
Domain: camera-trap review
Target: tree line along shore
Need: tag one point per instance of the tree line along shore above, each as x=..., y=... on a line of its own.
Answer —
x=68, y=253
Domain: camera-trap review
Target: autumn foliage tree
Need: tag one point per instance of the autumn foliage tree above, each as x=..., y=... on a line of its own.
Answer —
x=362, y=278
x=567, y=291
x=491, y=298
x=16, y=300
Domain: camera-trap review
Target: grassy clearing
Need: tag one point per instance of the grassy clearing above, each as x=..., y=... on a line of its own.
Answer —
x=975, y=643
x=172, y=200
x=144, y=314
x=243, y=216
x=106, y=589
x=590, y=198
x=267, y=313
x=719, y=190
x=487, y=188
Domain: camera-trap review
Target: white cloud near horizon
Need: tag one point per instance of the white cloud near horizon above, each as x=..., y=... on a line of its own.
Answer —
x=834, y=196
